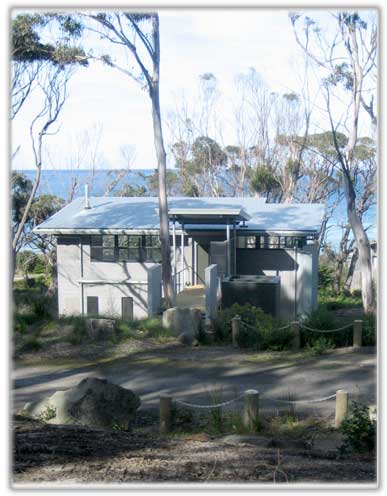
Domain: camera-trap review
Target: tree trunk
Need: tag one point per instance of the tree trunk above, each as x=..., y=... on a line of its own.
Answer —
x=351, y=270
x=364, y=249
x=162, y=169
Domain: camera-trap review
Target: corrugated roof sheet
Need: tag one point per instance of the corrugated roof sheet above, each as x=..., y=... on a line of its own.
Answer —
x=141, y=213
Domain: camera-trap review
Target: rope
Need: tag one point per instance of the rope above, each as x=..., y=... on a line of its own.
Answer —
x=255, y=328
x=325, y=330
x=318, y=400
x=218, y=405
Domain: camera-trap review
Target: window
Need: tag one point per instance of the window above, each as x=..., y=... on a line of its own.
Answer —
x=102, y=248
x=152, y=249
x=125, y=248
x=92, y=306
x=270, y=242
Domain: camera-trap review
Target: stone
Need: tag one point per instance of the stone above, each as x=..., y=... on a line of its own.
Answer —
x=183, y=321
x=93, y=402
x=100, y=329
x=186, y=339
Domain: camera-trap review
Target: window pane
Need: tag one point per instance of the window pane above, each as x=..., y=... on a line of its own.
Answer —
x=250, y=242
x=108, y=241
x=134, y=241
x=123, y=241
x=134, y=254
x=151, y=240
x=96, y=240
x=96, y=253
x=108, y=254
x=123, y=254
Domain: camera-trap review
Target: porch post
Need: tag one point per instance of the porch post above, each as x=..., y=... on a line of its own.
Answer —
x=195, y=262
x=182, y=257
x=235, y=248
x=228, y=249
x=174, y=255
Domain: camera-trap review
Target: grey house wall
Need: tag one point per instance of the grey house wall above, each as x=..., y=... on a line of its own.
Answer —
x=297, y=270
x=79, y=277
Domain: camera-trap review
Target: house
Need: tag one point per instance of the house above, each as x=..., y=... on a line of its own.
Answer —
x=108, y=252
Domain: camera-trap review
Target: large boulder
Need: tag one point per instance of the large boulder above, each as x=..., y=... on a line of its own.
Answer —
x=100, y=329
x=183, y=322
x=93, y=402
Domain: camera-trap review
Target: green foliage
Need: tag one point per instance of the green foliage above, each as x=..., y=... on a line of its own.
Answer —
x=369, y=330
x=79, y=331
x=359, y=431
x=325, y=276
x=27, y=45
x=323, y=319
x=263, y=179
x=320, y=346
x=261, y=333
x=31, y=343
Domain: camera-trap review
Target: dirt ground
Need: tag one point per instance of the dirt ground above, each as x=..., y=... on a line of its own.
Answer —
x=67, y=455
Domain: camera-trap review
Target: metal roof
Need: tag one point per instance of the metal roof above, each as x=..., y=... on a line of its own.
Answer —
x=140, y=213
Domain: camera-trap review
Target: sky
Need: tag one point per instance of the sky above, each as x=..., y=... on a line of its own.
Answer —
x=223, y=42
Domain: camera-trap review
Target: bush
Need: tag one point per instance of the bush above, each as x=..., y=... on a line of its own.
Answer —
x=369, y=330
x=359, y=431
x=261, y=332
x=79, y=332
x=319, y=347
x=324, y=320
x=31, y=343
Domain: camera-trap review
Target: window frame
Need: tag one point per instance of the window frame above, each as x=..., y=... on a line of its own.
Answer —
x=145, y=252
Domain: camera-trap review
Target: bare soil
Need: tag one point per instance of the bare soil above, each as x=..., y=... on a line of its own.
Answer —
x=72, y=454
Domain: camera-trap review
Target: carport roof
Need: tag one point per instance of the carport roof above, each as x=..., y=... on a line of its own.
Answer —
x=141, y=214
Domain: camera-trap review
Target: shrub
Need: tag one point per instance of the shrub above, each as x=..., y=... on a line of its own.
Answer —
x=324, y=320
x=359, y=431
x=261, y=331
x=369, y=330
x=79, y=332
x=325, y=276
x=31, y=343
x=319, y=347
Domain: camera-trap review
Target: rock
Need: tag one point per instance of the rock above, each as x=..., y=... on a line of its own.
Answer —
x=93, y=402
x=186, y=339
x=100, y=329
x=183, y=321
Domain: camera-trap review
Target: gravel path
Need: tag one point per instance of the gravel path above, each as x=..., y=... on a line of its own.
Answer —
x=190, y=374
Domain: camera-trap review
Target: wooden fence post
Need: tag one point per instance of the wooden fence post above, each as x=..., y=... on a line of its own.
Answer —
x=295, y=327
x=341, y=407
x=357, y=333
x=165, y=414
x=251, y=410
x=235, y=326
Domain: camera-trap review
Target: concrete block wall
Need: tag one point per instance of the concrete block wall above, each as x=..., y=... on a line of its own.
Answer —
x=128, y=279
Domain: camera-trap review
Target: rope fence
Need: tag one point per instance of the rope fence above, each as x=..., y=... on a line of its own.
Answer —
x=252, y=399
x=296, y=327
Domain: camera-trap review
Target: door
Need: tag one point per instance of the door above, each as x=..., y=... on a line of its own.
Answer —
x=127, y=308
x=218, y=256
x=92, y=306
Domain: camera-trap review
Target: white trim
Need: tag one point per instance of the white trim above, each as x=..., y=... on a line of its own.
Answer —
x=104, y=281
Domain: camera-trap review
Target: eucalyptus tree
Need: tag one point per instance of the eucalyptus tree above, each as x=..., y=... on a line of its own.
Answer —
x=138, y=35
x=45, y=69
x=346, y=57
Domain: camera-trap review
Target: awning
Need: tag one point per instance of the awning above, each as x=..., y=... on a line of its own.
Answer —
x=208, y=215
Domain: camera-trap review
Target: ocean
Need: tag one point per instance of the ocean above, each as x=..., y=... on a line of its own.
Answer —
x=60, y=183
